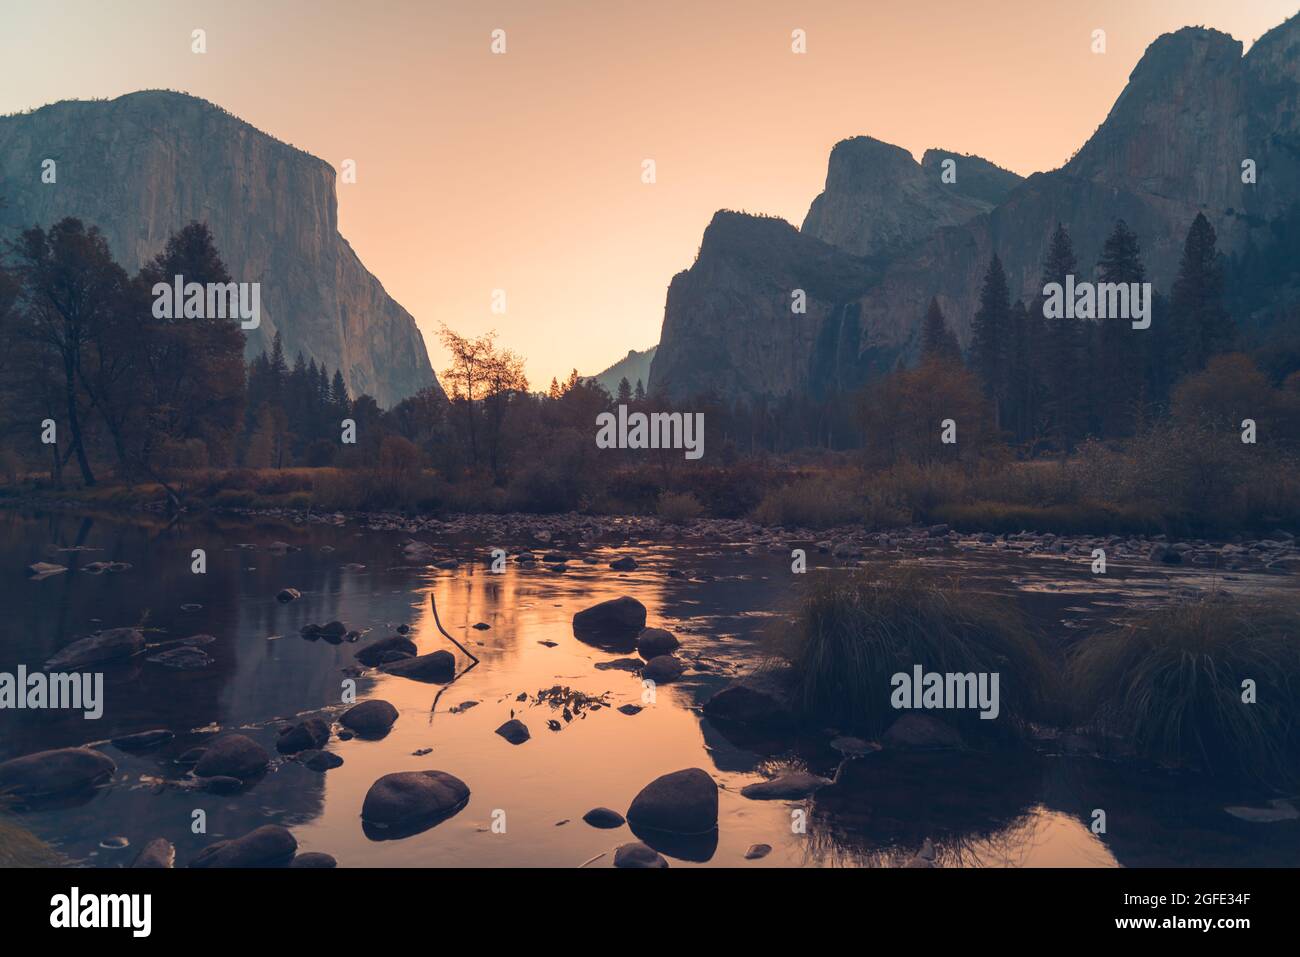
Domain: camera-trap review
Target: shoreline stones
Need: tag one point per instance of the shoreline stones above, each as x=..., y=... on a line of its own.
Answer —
x=408, y=799
x=371, y=718
x=234, y=756
x=683, y=802
x=55, y=772
x=267, y=846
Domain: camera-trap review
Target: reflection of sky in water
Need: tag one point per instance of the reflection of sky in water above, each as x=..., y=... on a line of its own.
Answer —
x=543, y=787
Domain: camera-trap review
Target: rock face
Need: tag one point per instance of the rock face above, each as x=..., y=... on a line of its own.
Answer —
x=1173, y=145
x=49, y=773
x=879, y=201
x=144, y=165
x=634, y=366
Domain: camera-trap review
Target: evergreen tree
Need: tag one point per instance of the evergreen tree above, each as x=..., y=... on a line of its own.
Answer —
x=1060, y=358
x=624, y=391
x=638, y=394
x=1197, y=302
x=938, y=341
x=339, y=397
x=1122, y=351
x=990, y=335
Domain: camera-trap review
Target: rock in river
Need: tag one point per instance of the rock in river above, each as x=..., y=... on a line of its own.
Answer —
x=514, y=731
x=663, y=669
x=371, y=718
x=234, y=755
x=786, y=787
x=287, y=595
x=637, y=854
x=760, y=699
x=143, y=740
x=920, y=732
x=114, y=644
x=407, y=798
x=618, y=617
x=653, y=642
x=604, y=818
x=268, y=846
x=398, y=646
x=304, y=736
x=314, y=859
x=61, y=771
x=159, y=852
x=683, y=802
x=436, y=666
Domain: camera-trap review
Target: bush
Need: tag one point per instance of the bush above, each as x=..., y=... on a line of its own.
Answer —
x=1171, y=681
x=679, y=507
x=854, y=631
x=818, y=501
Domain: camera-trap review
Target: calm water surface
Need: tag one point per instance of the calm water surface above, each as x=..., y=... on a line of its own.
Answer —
x=979, y=811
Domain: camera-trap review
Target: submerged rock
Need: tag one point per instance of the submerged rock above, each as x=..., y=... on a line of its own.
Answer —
x=182, y=659
x=158, y=853
x=268, y=846
x=514, y=731
x=638, y=855
x=407, y=798
x=790, y=786
x=59, y=771
x=664, y=669
x=314, y=859
x=45, y=569
x=374, y=654
x=115, y=644
x=920, y=731
x=143, y=740
x=683, y=802
x=235, y=755
x=373, y=717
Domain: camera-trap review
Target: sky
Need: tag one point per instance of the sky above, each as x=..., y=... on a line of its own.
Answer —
x=523, y=171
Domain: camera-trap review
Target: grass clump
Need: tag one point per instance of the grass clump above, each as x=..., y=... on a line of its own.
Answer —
x=855, y=631
x=1172, y=682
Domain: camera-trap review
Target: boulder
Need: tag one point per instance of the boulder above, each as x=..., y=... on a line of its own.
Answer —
x=683, y=802
x=624, y=564
x=407, y=798
x=617, y=618
x=114, y=644
x=758, y=851
x=761, y=699
x=235, y=756
x=653, y=642
x=304, y=736
x=638, y=854
x=373, y=717
x=436, y=666
x=321, y=761
x=314, y=859
x=268, y=846
x=60, y=771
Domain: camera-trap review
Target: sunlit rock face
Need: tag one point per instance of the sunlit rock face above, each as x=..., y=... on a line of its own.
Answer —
x=144, y=165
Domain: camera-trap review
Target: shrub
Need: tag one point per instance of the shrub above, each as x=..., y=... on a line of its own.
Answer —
x=1171, y=681
x=818, y=501
x=679, y=507
x=854, y=631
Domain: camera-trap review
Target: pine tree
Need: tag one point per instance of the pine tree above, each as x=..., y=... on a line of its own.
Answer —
x=638, y=394
x=1197, y=302
x=938, y=341
x=990, y=335
x=1122, y=351
x=1061, y=351
x=339, y=397
x=624, y=391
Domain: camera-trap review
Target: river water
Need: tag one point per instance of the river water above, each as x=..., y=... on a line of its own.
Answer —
x=527, y=801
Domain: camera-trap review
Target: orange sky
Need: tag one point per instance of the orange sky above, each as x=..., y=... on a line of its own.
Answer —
x=523, y=171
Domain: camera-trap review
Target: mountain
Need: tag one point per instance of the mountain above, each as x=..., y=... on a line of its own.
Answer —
x=144, y=165
x=1172, y=145
x=634, y=366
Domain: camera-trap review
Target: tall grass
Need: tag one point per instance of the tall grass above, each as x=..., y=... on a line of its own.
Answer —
x=19, y=847
x=1172, y=682
x=854, y=631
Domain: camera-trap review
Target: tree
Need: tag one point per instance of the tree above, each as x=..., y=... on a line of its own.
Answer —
x=72, y=293
x=1122, y=350
x=990, y=335
x=938, y=341
x=903, y=415
x=639, y=394
x=624, y=391
x=1197, y=301
x=1061, y=351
